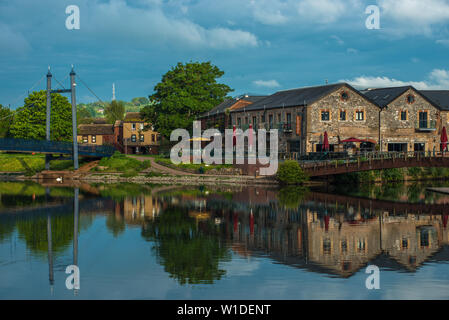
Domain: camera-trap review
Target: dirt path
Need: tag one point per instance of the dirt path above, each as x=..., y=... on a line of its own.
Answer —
x=160, y=168
x=88, y=166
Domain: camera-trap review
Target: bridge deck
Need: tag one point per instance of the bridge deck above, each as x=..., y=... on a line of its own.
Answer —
x=375, y=162
x=54, y=147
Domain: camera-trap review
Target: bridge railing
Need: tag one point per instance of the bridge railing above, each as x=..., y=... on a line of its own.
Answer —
x=44, y=146
x=371, y=156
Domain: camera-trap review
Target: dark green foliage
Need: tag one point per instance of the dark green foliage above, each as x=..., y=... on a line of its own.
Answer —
x=185, y=92
x=414, y=172
x=29, y=121
x=114, y=111
x=290, y=172
x=5, y=121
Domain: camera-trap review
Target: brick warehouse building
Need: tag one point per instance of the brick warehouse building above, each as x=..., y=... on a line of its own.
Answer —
x=303, y=115
x=386, y=119
x=219, y=116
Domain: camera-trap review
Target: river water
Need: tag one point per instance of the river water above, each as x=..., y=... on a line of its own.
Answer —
x=171, y=242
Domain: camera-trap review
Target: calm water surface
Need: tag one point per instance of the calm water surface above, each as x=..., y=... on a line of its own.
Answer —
x=171, y=242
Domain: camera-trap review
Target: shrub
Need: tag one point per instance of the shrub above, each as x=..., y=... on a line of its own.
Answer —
x=290, y=172
x=414, y=172
x=392, y=175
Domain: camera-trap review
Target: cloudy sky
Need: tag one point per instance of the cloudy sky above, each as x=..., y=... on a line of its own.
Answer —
x=262, y=45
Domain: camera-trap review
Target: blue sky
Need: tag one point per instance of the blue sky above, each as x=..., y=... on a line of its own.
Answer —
x=262, y=45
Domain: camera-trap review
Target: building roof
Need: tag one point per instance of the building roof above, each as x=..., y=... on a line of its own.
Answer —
x=96, y=129
x=295, y=97
x=229, y=103
x=132, y=117
x=384, y=96
x=438, y=97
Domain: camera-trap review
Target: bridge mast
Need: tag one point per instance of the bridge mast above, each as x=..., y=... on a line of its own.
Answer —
x=74, y=126
x=48, y=116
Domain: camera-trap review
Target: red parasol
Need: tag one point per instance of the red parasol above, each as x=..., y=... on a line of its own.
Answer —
x=325, y=142
x=444, y=139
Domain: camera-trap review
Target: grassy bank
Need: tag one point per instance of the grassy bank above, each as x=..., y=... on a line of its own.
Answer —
x=129, y=167
x=31, y=164
x=190, y=167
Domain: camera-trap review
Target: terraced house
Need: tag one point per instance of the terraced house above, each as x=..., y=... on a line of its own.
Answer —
x=305, y=115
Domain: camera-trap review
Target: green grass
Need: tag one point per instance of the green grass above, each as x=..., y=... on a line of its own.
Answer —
x=121, y=163
x=31, y=164
x=191, y=166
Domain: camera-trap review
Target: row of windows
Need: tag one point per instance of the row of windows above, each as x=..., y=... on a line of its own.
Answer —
x=142, y=138
x=359, y=115
x=86, y=139
x=288, y=117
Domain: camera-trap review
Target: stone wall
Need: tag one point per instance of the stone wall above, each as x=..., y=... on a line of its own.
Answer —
x=395, y=130
x=368, y=128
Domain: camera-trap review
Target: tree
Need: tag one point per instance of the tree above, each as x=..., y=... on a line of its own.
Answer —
x=185, y=92
x=140, y=101
x=29, y=120
x=5, y=121
x=83, y=115
x=114, y=111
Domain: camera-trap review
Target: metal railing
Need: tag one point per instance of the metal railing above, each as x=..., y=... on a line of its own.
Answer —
x=44, y=146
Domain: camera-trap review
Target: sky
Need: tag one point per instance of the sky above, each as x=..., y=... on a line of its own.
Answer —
x=263, y=46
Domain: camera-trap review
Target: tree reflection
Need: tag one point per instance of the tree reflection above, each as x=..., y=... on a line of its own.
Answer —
x=189, y=250
x=33, y=230
x=116, y=225
x=292, y=196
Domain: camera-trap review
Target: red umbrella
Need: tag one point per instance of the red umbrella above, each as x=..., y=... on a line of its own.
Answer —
x=250, y=137
x=325, y=142
x=444, y=139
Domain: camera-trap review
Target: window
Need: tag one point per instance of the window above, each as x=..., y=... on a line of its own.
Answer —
x=141, y=126
x=289, y=122
x=325, y=115
x=133, y=138
x=404, y=115
x=133, y=127
x=344, y=246
x=404, y=243
x=359, y=115
x=270, y=120
x=94, y=139
x=344, y=96
x=342, y=115
x=327, y=246
x=422, y=116
x=263, y=118
x=361, y=245
x=254, y=122
x=152, y=138
x=239, y=122
x=85, y=139
x=279, y=118
x=410, y=98
x=420, y=146
x=397, y=147
x=141, y=138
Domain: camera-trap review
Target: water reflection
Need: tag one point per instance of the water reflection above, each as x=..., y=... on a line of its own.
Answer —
x=193, y=231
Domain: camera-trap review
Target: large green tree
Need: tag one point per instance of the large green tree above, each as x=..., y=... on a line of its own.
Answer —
x=29, y=120
x=5, y=121
x=185, y=92
x=114, y=111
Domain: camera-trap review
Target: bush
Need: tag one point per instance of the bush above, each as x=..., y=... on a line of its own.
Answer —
x=290, y=172
x=392, y=175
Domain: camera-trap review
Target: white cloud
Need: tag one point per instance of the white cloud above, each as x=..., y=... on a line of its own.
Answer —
x=154, y=25
x=444, y=42
x=438, y=79
x=267, y=83
x=269, y=12
x=322, y=11
x=338, y=40
x=352, y=51
x=415, y=16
